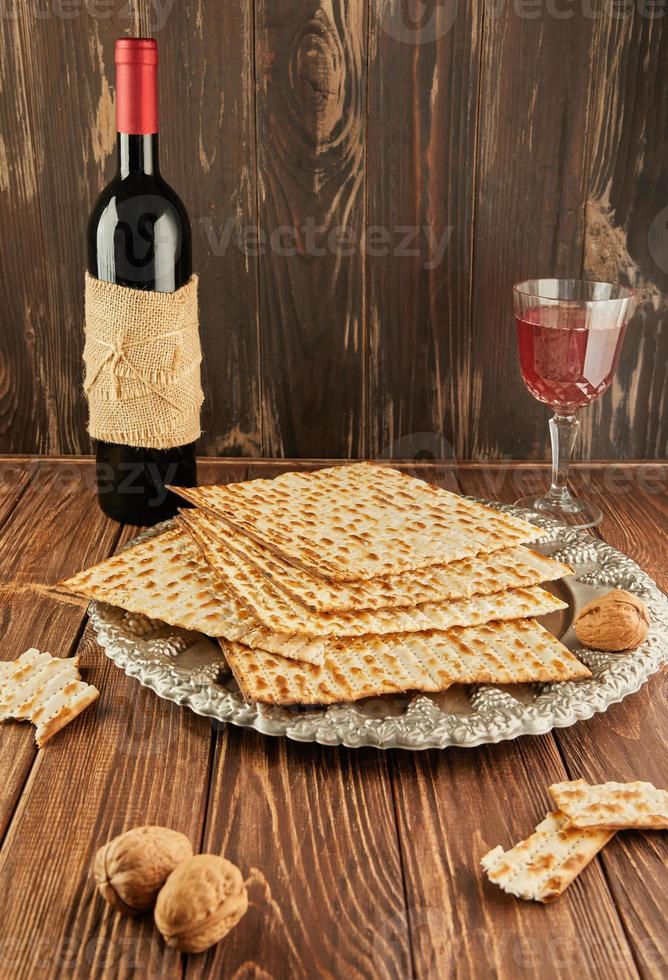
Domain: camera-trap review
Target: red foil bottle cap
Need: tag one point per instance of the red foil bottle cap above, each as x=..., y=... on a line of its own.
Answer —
x=136, y=85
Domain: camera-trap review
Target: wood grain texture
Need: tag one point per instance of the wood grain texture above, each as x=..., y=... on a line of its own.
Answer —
x=311, y=84
x=627, y=741
x=625, y=744
x=626, y=229
x=421, y=172
x=452, y=808
x=314, y=828
x=634, y=502
x=54, y=529
x=131, y=760
x=209, y=156
x=24, y=418
x=15, y=478
x=53, y=173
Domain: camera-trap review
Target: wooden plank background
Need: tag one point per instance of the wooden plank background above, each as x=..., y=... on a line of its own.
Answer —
x=366, y=179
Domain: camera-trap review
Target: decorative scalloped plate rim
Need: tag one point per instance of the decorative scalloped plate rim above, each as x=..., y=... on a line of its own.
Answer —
x=152, y=653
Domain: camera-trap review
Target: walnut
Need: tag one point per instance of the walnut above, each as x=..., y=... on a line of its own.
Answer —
x=617, y=621
x=203, y=898
x=131, y=869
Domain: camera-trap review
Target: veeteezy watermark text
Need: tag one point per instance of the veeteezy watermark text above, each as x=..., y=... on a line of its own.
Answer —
x=314, y=240
x=425, y=21
x=156, y=11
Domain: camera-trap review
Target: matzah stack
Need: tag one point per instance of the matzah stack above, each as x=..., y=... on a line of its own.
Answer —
x=482, y=574
x=165, y=579
x=276, y=610
x=359, y=521
x=348, y=582
x=271, y=587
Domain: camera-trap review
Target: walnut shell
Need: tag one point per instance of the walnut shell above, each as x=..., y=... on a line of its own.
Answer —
x=200, y=902
x=617, y=621
x=131, y=869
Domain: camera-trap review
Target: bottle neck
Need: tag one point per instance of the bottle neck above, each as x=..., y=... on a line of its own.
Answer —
x=137, y=106
x=138, y=154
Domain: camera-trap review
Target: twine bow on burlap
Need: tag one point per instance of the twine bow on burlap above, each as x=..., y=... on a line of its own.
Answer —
x=117, y=357
x=142, y=380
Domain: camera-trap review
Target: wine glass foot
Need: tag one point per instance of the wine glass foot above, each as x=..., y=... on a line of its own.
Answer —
x=566, y=508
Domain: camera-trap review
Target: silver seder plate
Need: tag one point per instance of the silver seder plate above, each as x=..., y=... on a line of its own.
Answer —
x=189, y=668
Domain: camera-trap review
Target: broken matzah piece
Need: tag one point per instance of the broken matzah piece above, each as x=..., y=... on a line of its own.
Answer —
x=277, y=611
x=508, y=568
x=518, y=651
x=45, y=690
x=165, y=578
x=543, y=866
x=612, y=806
x=18, y=671
x=360, y=520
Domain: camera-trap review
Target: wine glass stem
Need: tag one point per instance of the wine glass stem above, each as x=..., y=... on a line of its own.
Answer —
x=563, y=431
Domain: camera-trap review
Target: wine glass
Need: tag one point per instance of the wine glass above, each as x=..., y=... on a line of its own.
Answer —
x=569, y=333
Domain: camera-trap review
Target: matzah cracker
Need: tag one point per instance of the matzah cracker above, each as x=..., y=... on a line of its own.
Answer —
x=61, y=709
x=519, y=651
x=508, y=568
x=165, y=578
x=16, y=673
x=612, y=806
x=541, y=867
x=45, y=690
x=344, y=676
x=34, y=674
x=276, y=610
x=360, y=521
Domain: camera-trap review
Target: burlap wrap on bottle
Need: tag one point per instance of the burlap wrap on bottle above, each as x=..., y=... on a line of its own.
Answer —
x=142, y=358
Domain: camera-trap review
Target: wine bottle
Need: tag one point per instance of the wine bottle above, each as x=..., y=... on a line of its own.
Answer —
x=139, y=237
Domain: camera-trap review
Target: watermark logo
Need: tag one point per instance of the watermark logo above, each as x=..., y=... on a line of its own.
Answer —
x=498, y=478
x=314, y=240
x=657, y=240
x=582, y=9
x=147, y=480
x=432, y=937
x=120, y=955
x=419, y=446
x=156, y=11
x=146, y=239
x=416, y=21
x=425, y=21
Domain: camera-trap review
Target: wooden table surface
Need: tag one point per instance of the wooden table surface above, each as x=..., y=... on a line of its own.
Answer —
x=362, y=863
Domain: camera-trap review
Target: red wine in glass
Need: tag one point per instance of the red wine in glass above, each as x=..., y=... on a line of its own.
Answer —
x=569, y=334
x=565, y=363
